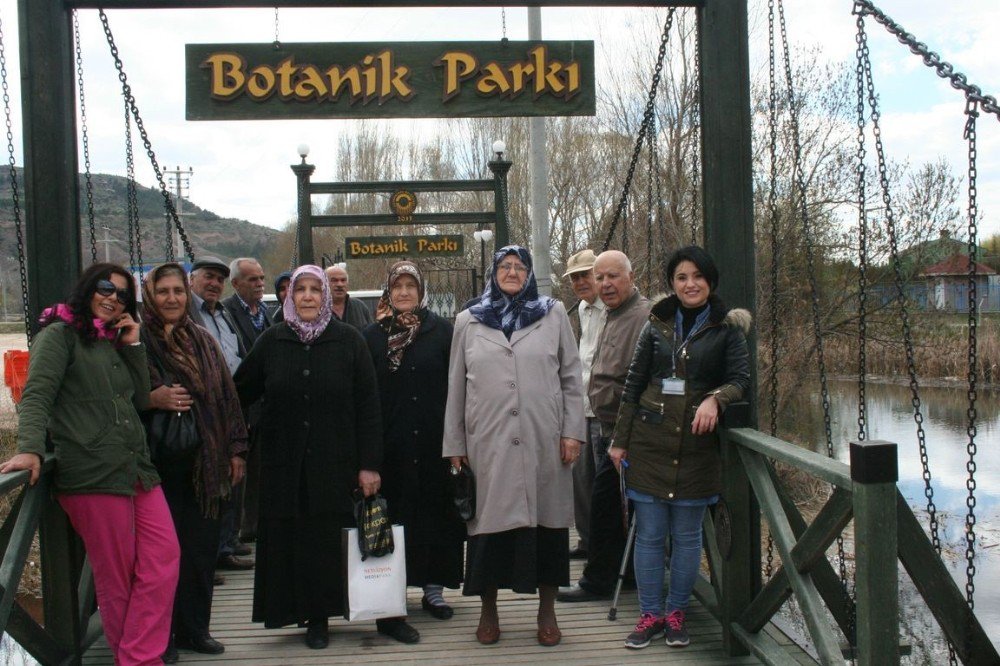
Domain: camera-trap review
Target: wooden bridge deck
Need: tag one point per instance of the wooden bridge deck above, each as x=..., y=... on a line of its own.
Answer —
x=588, y=636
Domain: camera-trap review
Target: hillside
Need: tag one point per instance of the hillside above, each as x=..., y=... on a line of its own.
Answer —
x=209, y=233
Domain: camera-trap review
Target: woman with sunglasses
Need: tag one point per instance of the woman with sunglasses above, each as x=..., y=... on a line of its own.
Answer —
x=87, y=379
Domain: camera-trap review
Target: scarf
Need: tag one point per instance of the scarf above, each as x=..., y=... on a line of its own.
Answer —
x=192, y=358
x=506, y=313
x=62, y=312
x=308, y=330
x=401, y=328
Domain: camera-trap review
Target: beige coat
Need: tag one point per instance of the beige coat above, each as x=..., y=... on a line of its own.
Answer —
x=508, y=405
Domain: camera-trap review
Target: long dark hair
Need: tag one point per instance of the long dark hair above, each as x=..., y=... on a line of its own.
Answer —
x=697, y=256
x=82, y=294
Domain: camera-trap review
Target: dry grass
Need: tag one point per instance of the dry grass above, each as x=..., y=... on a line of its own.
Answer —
x=31, y=578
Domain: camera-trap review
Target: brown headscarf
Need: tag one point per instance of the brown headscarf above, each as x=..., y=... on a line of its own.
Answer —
x=192, y=358
x=400, y=327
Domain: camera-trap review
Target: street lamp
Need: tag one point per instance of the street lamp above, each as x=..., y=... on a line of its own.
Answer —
x=484, y=236
x=303, y=151
x=499, y=148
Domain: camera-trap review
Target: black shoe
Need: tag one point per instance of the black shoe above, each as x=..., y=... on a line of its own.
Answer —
x=240, y=548
x=203, y=644
x=234, y=563
x=317, y=634
x=397, y=629
x=218, y=579
x=248, y=537
x=575, y=593
x=578, y=553
x=170, y=656
x=442, y=612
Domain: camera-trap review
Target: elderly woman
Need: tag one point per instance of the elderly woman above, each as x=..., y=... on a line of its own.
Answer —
x=321, y=437
x=515, y=416
x=188, y=372
x=690, y=362
x=410, y=345
x=86, y=379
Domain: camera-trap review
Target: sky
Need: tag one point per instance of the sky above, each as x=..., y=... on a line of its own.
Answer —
x=241, y=169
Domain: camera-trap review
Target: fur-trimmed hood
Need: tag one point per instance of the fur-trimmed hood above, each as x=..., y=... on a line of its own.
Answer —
x=664, y=308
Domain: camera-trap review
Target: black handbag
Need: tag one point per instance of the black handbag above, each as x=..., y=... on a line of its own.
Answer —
x=172, y=436
x=374, y=526
x=464, y=484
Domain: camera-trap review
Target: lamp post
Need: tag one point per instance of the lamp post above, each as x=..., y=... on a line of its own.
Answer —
x=483, y=236
x=499, y=166
x=302, y=173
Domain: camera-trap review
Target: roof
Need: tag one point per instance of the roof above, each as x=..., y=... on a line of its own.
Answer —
x=956, y=264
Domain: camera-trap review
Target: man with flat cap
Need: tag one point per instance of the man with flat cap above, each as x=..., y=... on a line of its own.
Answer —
x=587, y=317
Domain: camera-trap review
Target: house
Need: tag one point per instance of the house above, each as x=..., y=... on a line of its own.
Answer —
x=948, y=283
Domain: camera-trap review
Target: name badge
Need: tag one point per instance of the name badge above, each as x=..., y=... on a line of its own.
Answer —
x=672, y=386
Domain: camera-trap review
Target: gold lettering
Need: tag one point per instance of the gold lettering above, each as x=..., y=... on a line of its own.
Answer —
x=545, y=72
x=370, y=75
x=458, y=66
x=339, y=78
x=520, y=72
x=572, y=79
x=260, y=84
x=311, y=84
x=493, y=80
x=286, y=72
x=226, y=77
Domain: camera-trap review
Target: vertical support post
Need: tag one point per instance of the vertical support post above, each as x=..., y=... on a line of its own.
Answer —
x=304, y=228
x=51, y=205
x=61, y=563
x=740, y=573
x=539, y=168
x=727, y=167
x=874, y=471
x=500, y=167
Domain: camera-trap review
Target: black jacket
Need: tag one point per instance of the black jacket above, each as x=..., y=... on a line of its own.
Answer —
x=665, y=458
x=356, y=313
x=244, y=327
x=321, y=422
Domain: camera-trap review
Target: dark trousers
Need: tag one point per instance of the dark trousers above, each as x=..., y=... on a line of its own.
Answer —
x=229, y=520
x=199, y=541
x=607, y=531
x=583, y=482
x=251, y=488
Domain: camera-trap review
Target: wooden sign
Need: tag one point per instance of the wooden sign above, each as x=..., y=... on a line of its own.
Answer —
x=394, y=80
x=437, y=245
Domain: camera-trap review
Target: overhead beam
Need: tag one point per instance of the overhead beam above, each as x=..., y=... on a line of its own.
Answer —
x=477, y=4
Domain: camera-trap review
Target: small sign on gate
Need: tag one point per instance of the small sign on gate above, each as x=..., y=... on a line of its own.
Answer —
x=437, y=245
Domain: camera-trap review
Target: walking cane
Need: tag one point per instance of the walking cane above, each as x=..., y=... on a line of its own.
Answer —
x=629, y=540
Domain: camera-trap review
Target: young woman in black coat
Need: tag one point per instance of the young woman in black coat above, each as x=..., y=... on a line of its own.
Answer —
x=410, y=346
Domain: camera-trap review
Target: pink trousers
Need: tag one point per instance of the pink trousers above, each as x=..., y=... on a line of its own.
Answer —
x=133, y=551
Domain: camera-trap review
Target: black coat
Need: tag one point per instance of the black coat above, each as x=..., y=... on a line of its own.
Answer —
x=415, y=479
x=321, y=422
x=244, y=327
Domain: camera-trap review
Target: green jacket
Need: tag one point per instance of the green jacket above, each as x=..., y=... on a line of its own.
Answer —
x=84, y=397
x=665, y=458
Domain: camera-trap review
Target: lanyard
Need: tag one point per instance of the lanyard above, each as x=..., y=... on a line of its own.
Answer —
x=699, y=323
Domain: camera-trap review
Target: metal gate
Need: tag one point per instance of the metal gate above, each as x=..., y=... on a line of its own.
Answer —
x=448, y=289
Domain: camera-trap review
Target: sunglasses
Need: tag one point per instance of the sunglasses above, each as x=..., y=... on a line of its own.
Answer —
x=107, y=287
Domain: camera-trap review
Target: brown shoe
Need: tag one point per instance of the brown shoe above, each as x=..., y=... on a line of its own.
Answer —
x=549, y=636
x=487, y=634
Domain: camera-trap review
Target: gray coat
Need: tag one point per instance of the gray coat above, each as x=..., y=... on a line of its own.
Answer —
x=508, y=405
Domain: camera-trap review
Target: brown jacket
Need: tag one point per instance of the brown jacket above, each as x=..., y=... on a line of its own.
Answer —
x=615, y=347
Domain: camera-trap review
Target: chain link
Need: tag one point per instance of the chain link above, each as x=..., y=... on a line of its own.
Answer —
x=277, y=42
x=944, y=69
x=650, y=210
x=862, y=174
x=972, y=113
x=89, y=185
x=503, y=23
x=130, y=100
x=643, y=128
x=15, y=196
x=696, y=124
x=131, y=201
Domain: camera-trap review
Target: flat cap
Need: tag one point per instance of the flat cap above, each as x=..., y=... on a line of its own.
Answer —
x=583, y=260
x=208, y=261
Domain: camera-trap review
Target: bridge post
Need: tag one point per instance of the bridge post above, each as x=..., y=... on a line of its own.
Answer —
x=874, y=472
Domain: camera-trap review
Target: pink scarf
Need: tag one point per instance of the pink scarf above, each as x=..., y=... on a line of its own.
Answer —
x=62, y=311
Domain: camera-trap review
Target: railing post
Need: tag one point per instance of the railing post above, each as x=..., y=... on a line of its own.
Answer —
x=874, y=471
x=740, y=574
x=61, y=562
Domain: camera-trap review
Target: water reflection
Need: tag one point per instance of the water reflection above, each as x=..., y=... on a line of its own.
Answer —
x=890, y=417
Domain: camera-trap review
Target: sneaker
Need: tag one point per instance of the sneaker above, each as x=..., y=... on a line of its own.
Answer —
x=646, y=629
x=677, y=633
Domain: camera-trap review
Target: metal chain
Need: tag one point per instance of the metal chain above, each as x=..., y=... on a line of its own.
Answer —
x=131, y=204
x=861, y=170
x=91, y=224
x=503, y=23
x=643, y=128
x=15, y=197
x=696, y=116
x=661, y=235
x=800, y=184
x=130, y=99
x=277, y=42
x=650, y=140
x=944, y=69
x=972, y=113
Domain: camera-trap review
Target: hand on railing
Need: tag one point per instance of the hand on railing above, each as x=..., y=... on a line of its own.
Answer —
x=24, y=461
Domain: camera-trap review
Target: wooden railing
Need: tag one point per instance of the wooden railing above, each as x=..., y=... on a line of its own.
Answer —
x=886, y=532
x=71, y=622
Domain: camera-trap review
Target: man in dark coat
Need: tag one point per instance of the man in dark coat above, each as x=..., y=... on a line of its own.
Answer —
x=350, y=312
x=246, y=307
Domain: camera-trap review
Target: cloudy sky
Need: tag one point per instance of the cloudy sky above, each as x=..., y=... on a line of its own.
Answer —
x=241, y=168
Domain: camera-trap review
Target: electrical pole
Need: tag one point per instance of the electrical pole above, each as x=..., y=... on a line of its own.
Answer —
x=538, y=166
x=181, y=180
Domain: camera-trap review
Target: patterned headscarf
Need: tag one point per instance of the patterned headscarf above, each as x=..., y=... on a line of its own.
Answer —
x=308, y=330
x=508, y=313
x=400, y=327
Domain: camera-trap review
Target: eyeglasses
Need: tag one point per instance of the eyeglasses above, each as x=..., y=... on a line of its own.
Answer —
x=107, y=287
x=508, y=268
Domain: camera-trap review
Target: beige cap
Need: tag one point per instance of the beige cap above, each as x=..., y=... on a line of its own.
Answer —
x=583, y=260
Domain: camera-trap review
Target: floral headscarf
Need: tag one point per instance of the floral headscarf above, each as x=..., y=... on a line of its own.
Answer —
x=400, y=327
x=508, y=313
x=308, y=330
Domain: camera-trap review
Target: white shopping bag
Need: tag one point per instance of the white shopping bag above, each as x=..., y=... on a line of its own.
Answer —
x=375, y=588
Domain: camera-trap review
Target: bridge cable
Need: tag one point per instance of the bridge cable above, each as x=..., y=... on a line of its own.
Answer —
x=85, y=140
x=15, y=196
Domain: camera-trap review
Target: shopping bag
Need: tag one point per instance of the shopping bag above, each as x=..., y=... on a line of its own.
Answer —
x=371, y=515
x=374, y=587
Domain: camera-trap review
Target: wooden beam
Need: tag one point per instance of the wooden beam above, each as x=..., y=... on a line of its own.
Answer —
x=389, y=186
x=316, y=4
x=418, y=219
x=827, y=469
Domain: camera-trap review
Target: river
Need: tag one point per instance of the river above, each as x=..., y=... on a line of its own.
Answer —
x=890, y=418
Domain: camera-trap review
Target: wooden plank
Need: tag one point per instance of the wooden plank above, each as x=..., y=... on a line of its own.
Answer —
x=214, y=4
x=935, y=584
x=390, y=186
x=784, y=538
x=876, y=573
x=15, y=553
x=740, y=570
x=828, y=524
x=827, y=469
x=765, y=648
x=417, y=219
